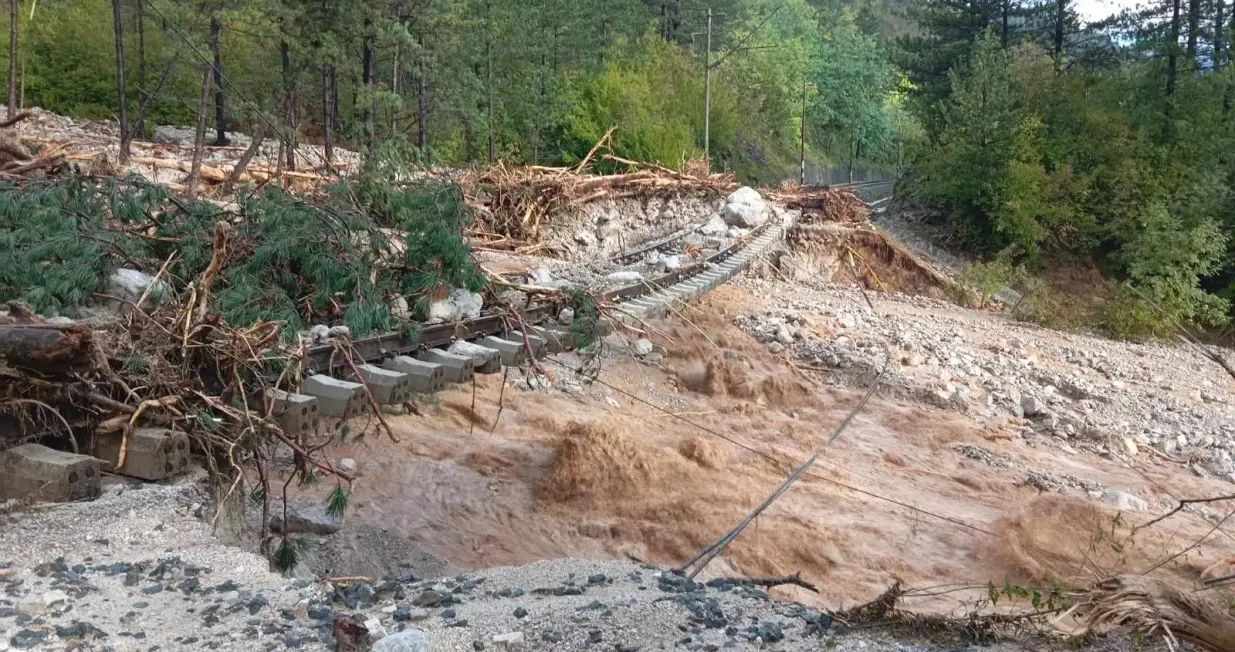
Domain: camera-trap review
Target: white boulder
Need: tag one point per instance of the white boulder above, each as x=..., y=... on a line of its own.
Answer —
x=1124, y=501
x=714, y=226
x=408, y=640
x=130, y=284
x=460, y=305
x=628, y=276
x=745, y=209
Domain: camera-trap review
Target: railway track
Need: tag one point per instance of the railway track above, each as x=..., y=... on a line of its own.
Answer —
x=398, y=364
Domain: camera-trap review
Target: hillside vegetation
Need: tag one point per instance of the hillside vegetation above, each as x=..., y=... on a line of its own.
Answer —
x=1033, y=139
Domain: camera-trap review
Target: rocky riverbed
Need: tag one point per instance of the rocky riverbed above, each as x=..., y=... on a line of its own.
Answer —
x=1079, y=391
x=138, y=569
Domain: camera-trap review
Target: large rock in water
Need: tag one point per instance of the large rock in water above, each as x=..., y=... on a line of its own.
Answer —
x=461, y=304
x=1125, y=502
x=408, y=640
x=745, y=209
x=303, y=519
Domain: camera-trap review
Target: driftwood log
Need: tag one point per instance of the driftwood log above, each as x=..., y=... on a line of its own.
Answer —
x=1153, y=608
x=48, y=350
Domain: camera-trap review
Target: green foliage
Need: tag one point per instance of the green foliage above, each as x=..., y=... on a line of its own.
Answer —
x=336, y=502
x=339, y=259
x=1076, y=167
x=56, y=251
x=650, y=90
x=987, y=277
x=586, y=324
x=290, y=552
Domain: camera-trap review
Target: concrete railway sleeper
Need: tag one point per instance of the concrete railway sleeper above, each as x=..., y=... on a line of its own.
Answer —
x=394, y=367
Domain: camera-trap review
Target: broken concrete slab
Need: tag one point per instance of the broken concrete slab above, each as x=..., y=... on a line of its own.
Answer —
x=537, y=343
x=455, y=368
x=297, y=413
x=152, y=453
x=484, y=360
x=423, y=377
x=388, y=386
x=36, y=472
x=512, y=353
x=556, y=339
x=336, y=398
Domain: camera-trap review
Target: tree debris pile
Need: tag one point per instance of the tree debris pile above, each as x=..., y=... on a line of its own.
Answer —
x=1153, y=608
x=821, y=204
x=213, y=320
x=93, y=146
x=513, y=203
x=17, y=161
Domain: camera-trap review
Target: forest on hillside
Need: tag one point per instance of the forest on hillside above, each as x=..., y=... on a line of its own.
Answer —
x=1032, y=138
x=469, y=81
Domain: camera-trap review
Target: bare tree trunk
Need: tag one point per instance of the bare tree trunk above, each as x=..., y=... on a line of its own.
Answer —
x=327, y=130
x=334, y=97
x=366, y=79
x=1172, y=69
x=220, y=117
x=489, y=84
x=123, y=115
x=1219, y=28
x=1222, y=49
x=199, y=140
x=141, y=68
x=422, y=110
x=12, y=110
x=246, y=158
x=394, y=88
x=1194, y=28
x=289, y=100
x=1061, y=15
x=1005, y=9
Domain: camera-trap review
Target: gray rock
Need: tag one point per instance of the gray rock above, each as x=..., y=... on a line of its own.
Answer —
x=566, y=317
x=460, y=305
x=1124, y=501
x=672, y=263
x=538, y=276
x=642, y=347
x=347, y=465
x=745, y=209
x=1031, y=406
x=585, y=238
x=408, y=640
x=1130, y=446
x=714, y=226
x=776, y=348
x=429, y=598
x=303, y=519
x=626, y=276
x=784, y=335
x=1168, y=445
x=511, y=640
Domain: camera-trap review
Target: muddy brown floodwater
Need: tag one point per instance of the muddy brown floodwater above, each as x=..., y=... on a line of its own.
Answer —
x=578, y=476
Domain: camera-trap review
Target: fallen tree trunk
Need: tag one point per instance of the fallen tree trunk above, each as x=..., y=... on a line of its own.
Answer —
x=1154, y=608
x=47, y=349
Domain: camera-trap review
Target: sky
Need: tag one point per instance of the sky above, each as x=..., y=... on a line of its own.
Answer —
x=1091, y=10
